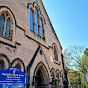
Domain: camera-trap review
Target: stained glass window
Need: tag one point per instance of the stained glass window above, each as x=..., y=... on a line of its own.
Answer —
x=41, y=26
x=7, y=28
x=2, y=19
x=31, y=20
x=5, y=25
x=6, y=14
x=36, y=21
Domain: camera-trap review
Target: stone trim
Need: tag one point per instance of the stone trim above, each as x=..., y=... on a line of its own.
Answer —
x=11, y=39
x=32, y=6
x=4, y=12
x=44, y=70
x=6, y=60
x=18, y=61
x=53, y=70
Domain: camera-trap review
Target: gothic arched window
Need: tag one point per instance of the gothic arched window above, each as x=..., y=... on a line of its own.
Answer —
x=41, y=27
x=53, y=76
x=5, y=24
x=36, y=21
x=31, y=19
x=55, y=53
x=18, y=66
x=2, y=19
x=58, y=76
x=2, y=64
x=53, y=73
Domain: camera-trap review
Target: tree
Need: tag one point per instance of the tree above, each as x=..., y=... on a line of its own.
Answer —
x=84, y=67
x=72, y=55
x=76, y=60
x=74, y=77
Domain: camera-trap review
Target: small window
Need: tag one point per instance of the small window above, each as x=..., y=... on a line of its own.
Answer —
x=58, y=76
x=55, y=54
x=41, y=27
x=36, y=21
x=5, y=25
x=31, y=19
x=53, y=76
x=18, y=66
x=2, y=64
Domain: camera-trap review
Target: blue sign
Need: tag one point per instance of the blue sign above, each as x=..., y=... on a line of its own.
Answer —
x=12, y=78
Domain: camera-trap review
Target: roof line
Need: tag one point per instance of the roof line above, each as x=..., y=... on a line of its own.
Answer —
x=51, y=24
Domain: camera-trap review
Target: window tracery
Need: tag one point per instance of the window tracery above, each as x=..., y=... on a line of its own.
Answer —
x=5, y=24
x=36, y=21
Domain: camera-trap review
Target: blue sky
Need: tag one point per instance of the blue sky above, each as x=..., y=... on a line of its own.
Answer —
x=70, y=20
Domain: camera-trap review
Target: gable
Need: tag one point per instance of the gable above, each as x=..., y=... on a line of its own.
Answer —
x=21, y=12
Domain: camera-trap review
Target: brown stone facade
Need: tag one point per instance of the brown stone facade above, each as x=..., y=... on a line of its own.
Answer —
x=40, y=58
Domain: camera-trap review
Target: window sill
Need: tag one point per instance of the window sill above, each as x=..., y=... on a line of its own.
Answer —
x=57, y=62
x=5, y=37
x=32, y=35
x=7, y=41
x=38, y=35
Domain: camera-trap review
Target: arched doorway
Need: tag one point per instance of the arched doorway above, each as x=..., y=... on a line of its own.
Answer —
x=40, y=79
x=58, y=84
x=41, y=76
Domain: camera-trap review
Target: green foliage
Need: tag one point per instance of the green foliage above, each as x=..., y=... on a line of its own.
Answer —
x=86, y=52
x=84, y=68
x=75, y=78
x=76, y=60
x=84, y=64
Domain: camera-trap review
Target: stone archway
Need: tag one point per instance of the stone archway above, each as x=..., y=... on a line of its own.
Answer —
x=40, y=79
x=41, y=76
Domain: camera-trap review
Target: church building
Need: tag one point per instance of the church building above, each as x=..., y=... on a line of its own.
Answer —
x=28, y=41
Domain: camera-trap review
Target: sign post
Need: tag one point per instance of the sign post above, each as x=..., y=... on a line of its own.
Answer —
x=12, y=78
x=26, y=80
